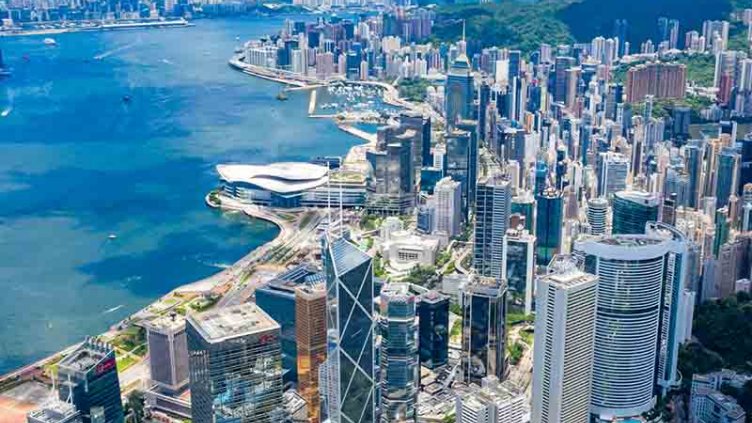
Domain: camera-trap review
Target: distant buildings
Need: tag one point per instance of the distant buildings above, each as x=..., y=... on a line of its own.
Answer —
x=662, y=80
x=235, y=365
x=564, y=343
x=484, y=310
x=88, y=378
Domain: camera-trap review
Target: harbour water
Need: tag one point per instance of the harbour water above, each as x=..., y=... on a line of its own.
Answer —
x=118, y=133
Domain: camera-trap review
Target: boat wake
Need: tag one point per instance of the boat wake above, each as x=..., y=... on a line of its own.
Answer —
x=113, y=309
x=109, y=53
x=6, y=111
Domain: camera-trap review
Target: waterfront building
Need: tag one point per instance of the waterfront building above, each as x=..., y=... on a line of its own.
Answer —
x=484, y=309
x=55, y=411
x=597, y=215
x=661, y=80
x=277, y=299
x=493, y=207
x=461, y=164
x=291, y=185
x=548, y=225
x=448, y=207
x=350, y=385
x=391, y=187
x=88, y=378
x=433, y=329
x=310, y=337
x=519, y=265
x=631, y=271
x=492, y=402
x=168, y=353
x=422, y=126
x=399, y=357
x=632, y=210
x=564, y=343
x=235, y=365
x=459, y=91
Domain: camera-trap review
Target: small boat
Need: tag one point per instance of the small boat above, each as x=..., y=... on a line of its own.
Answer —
x=111, y=236
x=126, y=99
x=49, y=42
x=282, y=96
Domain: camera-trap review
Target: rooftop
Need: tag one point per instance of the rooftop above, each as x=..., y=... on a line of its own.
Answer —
x=220, y=324
x=86, y=356
x=283, y=177
x=164, y=324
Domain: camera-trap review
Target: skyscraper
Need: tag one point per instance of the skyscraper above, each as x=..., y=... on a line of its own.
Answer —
x=310, y=337
x=422, y=125
x=168, y=352
x=493, y=207
x=433, y=322
x=350, y=325
x=55, y=411
x=548, y=225
x=492, y=402
x=727, y=176
x=564, y=343
x=448, y=201
x=632, y=210
x=597, y=213
x=484, y=311
x=235, y=364
x=461, y=164
x=631, y=273
x=519, y=265
x=614, y=168
x=459, y=91
x=399, y=358
x=88, y=378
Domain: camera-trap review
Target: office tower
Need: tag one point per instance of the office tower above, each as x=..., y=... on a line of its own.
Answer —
x=310, y=337
x=727, y=176
x=392, y=182
x=350, y=352
x=433, y=331
x=612, y=178
x=277, y=299
x=399, y=358
x=88, y=378
x=694, y=152
x=632, y=210
x=661, y=80
x=235, y=363
x=493, y=207
x=471, y=127
x=448, y=198
x=422, y=126
x=631, y=271
x=519, y=265
x=55, y=411
x=682, y=118
x=484, y=311
x=524, y=205
x=168, y=352
x=492, y=402
x=597, y=215
x=561, y=64
x=564, y=342
x=459, y=91
x=548, y=225
x=461, y=164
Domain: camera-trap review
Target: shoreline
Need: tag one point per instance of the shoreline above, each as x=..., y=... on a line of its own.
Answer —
x=114, y=26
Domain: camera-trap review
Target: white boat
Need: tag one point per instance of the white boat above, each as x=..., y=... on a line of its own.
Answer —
x=112, y=236
x=49, y=41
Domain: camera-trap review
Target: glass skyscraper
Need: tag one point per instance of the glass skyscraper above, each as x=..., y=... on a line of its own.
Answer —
x=235, y=365
x=433, y=320
x=461, y=157
x=399, y=358
x=632, y=210
x=310, y=336
x=459, y=91
x=548, y=225
x=727, y=175
x=350, y=325
x=493, y=207
x=484, y=311
x=88, y=377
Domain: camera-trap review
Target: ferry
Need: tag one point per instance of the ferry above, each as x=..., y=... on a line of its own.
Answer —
x=49, y=42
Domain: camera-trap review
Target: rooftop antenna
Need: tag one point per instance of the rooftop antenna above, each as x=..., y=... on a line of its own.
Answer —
x=463, y=30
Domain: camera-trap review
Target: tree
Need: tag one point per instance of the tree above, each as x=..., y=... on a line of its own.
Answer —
x=134, y=407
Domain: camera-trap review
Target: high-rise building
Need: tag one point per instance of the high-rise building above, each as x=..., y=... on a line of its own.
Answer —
x=433, y=329
x=392, y=183
x=632, y=210
x=422, y=126
x=448, y=205
x=727, y=176
x=88, y=378
x=459, y=91
x=631, y=271
x=694, y=152
x=399, y=357
x=564, y=343
x=55, y=411
x=351, y=377
x=548, y=225
x=614, y=168
x=235, y=363
x=597, y=215
x=310, y=337
x=493, y=207
x=484, y=312
x=168, y=352
x=461, y=164
x=519, y=265
x=661, y=80
x=492, y=402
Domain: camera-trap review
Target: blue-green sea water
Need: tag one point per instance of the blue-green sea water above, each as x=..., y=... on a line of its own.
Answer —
x=77, y=163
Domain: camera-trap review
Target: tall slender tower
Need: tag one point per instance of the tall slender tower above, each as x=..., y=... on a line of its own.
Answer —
x=310, y=337
x=484, y=311
x=564, y=342
x=350, y=325
x=493, y=207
